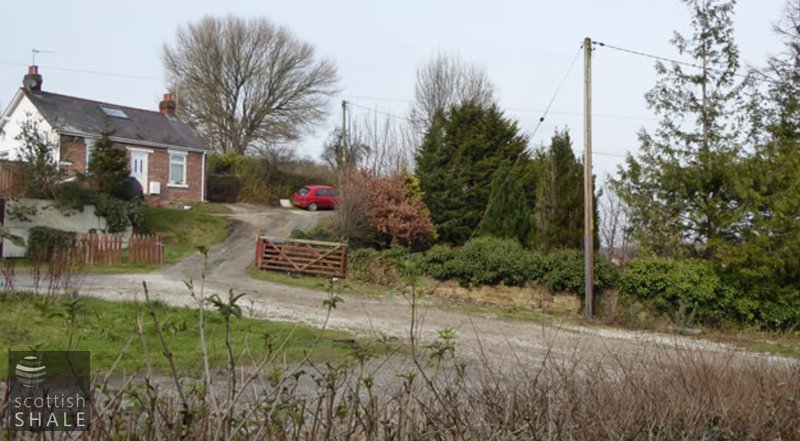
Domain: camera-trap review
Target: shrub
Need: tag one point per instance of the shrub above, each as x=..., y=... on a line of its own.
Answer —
x=45, y=242
x=565, y=272
x=268, y=178
x=395, y=214
x=350, y=220
x=74, y=195
x=36, y=151
x=317, y=233
x=535, y=266
x=223, y=188
x=759, y=301
x=434, y=261
x=489, y=261
x=671, y=285
x=109, y=169
x=484, y=261
x=118, y=214
x=379, y=267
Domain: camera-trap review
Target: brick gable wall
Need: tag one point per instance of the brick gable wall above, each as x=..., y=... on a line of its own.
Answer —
x=73, y=151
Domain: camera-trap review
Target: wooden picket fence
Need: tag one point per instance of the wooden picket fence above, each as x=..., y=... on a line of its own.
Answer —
x=146, y=249
x=301, y=256
x=106, y=249
x=99, y=249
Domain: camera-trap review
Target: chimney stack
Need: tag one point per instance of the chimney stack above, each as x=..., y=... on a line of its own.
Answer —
x=33, y=80
x=167, y=106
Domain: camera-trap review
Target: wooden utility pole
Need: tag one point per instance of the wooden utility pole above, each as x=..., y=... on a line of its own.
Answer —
x=588, y=192
x=344, y=136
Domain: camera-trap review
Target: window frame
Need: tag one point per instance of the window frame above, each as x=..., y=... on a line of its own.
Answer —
x=177, y=157
x=89, y=151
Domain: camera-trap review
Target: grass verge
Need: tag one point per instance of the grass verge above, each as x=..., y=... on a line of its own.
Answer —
x=185, y=230
x=104, y=328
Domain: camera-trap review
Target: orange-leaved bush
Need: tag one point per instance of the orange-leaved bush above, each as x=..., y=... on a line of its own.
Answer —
x=395, y=211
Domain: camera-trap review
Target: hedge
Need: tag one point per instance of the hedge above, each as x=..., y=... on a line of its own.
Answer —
x=490, y=261
x=223, y=188
x=671, y=285
x=44, y=242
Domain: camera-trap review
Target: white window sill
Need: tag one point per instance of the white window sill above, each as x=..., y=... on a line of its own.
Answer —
x=177, y=186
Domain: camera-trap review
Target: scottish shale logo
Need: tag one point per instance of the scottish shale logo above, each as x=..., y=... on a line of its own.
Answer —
x=30, y=371
x=48, y=391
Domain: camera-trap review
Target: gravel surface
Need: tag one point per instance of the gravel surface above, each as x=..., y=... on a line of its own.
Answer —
x=506, y=343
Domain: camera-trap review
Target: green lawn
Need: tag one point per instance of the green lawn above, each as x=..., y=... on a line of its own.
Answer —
x=185, y=230
x=212, y=208
x=104, y=328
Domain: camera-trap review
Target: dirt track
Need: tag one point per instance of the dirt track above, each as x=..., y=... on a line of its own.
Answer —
x=504, y=342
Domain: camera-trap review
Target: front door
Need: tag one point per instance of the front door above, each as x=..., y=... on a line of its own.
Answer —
x=139, y=168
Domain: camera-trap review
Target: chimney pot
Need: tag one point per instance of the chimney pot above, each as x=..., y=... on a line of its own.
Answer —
x=33, y=80
x=167, y=106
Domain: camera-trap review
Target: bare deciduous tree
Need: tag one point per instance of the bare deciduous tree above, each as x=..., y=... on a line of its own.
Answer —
x=247, y=84
x=446, y=80
x=615, y=229
x=378, y=146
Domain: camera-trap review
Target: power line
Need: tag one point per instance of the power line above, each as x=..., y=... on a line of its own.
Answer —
x=391, y=115
x=513, y=109
x=601, y=153
x=373, y=98
x=89, y=72
x=555, y=94
x=525, y=151
x=594, y=115
x=679, y=62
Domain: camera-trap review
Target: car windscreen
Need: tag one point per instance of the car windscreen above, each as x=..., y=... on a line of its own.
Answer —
x=303, y=191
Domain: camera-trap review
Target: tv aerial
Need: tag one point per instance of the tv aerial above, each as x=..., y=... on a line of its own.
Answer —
x=35, y=51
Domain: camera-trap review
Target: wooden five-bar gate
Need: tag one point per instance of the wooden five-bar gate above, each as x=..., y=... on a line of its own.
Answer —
x=301, y=256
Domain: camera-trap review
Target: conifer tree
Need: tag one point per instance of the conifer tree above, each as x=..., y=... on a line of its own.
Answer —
x=108, y=167
x=456, y=162
x=507, y=213
x=683, y=188
x=559, y=211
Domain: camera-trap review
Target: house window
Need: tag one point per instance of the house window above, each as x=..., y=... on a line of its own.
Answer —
x=177, y=168
x=89, y=150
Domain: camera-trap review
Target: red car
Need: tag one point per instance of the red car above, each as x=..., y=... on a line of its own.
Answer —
x=312, y=197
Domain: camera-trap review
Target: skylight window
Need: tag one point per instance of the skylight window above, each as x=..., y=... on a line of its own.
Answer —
x=112, y=111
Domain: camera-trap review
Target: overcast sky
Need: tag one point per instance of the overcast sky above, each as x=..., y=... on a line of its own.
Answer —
x=526, y=47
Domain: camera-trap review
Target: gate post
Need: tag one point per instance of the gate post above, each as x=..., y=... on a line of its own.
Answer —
x=259, y=251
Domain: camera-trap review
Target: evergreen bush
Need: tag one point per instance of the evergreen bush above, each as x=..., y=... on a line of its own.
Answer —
x=45, y=242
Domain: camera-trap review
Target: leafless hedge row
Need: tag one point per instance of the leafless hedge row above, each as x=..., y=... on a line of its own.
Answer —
x=666, y=393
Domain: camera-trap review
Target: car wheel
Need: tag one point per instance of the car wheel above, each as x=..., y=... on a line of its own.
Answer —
x=312, y=207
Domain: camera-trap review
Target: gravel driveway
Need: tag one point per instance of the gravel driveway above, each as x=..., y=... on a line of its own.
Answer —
x=505, y=342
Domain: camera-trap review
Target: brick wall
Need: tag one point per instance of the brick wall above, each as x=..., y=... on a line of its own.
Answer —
x=73, y=150
x=159, y=172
